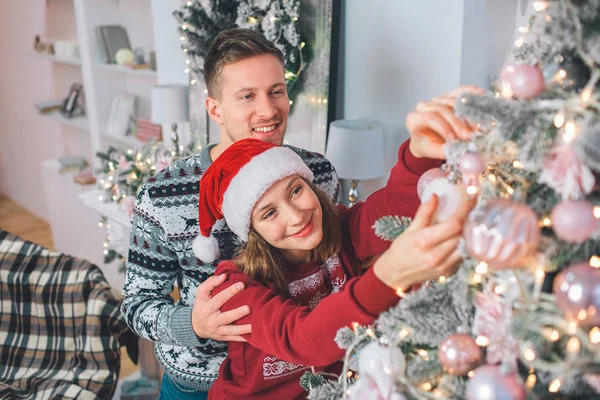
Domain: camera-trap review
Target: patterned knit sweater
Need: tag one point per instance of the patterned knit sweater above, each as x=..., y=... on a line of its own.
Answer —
x=163, y=226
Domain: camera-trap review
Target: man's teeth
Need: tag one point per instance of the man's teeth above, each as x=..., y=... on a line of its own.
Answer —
x=265, y=128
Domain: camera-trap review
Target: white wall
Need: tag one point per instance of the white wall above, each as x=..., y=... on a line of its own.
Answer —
x=399, y=53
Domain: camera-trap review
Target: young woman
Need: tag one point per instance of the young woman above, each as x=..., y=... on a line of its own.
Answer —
x=301, y=262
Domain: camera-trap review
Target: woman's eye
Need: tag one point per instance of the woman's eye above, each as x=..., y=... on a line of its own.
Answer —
x=269, y=214
x=297, y=190
x=246, y=97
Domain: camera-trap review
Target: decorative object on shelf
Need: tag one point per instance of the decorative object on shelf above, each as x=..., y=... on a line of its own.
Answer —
x=355, y=148
x=152, y=60
x=85, y=177
x=140, y=56
x=72, y=104
x=47, y=106
x=124, y=56
x=306, y=34
x=121, y=115
x=66, y=49
x=41, y=47
x=146, y=131
x=535, y=218
x=71, y=164
x=170, y=105
x=112, y=38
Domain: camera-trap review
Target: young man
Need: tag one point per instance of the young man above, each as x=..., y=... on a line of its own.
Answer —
x=244, y=74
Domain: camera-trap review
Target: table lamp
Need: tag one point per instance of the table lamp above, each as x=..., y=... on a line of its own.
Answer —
x=355, y=148
x=170, y=105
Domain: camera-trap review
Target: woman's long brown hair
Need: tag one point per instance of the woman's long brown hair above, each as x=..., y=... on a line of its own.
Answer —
x=265, y=263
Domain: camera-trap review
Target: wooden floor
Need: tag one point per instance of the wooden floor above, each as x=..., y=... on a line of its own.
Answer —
x=18, y=221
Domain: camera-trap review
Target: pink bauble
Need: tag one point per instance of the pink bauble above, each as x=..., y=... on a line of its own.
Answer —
x=451, y=198
x=573, y=220
x=459, y=354
x=577, y=291
x=471, y=164
x=502, y=233
x=525, y=81
x=488, y=383
x=426, y=178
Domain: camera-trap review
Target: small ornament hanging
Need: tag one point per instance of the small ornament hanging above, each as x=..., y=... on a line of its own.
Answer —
x=374, y=359
x=566, y=73
x=471, y=166
x=523, y=80
x=458, y=354
x=488, y=383
x=502, y=233
x=577, y=291
x=573, y=220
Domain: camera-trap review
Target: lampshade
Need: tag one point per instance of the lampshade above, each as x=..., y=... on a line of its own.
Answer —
x=170, y=104
x=355, y=148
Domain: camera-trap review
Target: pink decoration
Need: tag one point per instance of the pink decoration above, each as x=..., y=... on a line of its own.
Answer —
x=488, y=383
x=426, y=178
x=577, y=291
x=126, y=205
x=502, y=233
x=451, y=197
x=574, y=221
x=471, y=164
x=525, y=81
x=492, y=320
x=459, y=354
x=162, y=162
x=564, y=172
x=123, y=163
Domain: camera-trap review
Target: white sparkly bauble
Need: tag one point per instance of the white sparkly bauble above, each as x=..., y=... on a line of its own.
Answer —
x=488, y=383
x=375, y=359
x=451, y=197
x=124, y=56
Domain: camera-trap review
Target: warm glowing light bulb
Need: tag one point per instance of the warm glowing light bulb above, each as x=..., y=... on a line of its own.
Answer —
x=554, y=386
x=529, y=355
x=569, y=134
x=481, y=268
x=559, y=120
x=595, y=335
x=595, y=261
x=482, y=340
x=539, y=5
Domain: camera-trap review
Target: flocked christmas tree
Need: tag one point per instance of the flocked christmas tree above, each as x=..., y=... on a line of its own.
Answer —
x=202, y=20
x=521, y=317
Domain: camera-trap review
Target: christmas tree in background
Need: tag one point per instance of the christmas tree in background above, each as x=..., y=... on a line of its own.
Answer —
x=202, y=20
x=521, y=317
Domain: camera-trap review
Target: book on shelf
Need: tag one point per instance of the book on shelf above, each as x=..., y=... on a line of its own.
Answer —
x=72, y=164
x=47, y=106
x=146, y=130
x=85, y=177
x=112, y=38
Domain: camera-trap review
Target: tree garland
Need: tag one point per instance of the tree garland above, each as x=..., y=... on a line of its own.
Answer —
x=202, y=20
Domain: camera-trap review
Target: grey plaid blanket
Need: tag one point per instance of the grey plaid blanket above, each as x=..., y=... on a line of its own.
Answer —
x=60, y=325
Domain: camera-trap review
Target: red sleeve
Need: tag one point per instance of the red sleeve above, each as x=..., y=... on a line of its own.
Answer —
x=298, y=334
x=398, y=197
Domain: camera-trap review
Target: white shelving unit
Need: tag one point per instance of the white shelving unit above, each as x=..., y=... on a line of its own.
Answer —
x=75, y=209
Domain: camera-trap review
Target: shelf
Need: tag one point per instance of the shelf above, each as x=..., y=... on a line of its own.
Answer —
x=109, y=210
x=127, y=141
x=59, y=60
x=80, y=122
x=131, y=71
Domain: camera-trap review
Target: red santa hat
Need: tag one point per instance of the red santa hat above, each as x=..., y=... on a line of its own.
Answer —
x=232, y=185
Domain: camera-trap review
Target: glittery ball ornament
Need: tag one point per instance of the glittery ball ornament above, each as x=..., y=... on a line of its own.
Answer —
x=488, y=383
x=451, y=197
x=573, y=220
x=577, y=291
x=471, y=166
x=375, y=359
x=458, y=354
x=501, y=233
x=523, y=80
x=427, y=178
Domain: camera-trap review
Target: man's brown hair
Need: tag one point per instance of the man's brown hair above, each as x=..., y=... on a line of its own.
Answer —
x=230, y=46
x=265, y=263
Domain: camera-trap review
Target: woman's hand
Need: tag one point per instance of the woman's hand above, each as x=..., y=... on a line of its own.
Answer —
x=423, y=251
x=434, y=123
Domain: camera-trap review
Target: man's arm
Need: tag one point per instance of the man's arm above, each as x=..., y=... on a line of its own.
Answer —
x=151, y=272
